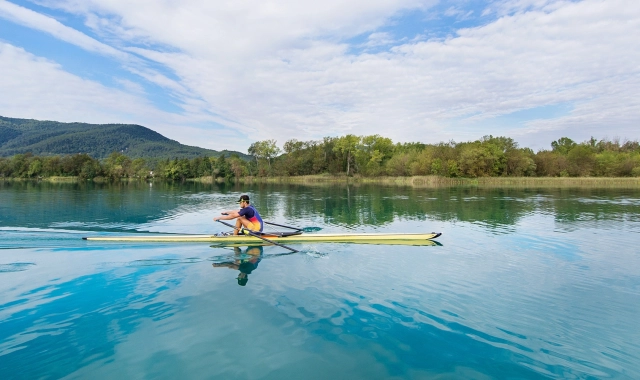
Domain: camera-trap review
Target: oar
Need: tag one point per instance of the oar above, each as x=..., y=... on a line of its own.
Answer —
x=306, y=229
x=259, y=237
x=280, y=225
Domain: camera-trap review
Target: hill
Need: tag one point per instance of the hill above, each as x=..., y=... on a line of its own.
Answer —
x=18, y=136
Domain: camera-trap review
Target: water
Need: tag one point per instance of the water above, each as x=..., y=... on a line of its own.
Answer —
x=525, y=284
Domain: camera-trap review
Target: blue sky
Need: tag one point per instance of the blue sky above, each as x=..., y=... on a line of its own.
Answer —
x=222, y=75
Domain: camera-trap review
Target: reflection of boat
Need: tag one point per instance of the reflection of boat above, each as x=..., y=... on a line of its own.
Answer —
x=373, y=242
x=284, y=238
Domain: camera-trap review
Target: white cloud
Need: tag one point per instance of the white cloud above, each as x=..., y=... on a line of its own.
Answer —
x=49, y=25
x=35, y=88
x=283, y=69
x=379, y=39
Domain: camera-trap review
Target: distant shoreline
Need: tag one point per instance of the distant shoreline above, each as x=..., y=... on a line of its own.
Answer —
x=437, y=181
x=415, y=181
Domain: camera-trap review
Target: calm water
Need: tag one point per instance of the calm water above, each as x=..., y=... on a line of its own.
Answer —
x=525, y=284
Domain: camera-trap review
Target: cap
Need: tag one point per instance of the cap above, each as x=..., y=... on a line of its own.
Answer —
x=243, y=198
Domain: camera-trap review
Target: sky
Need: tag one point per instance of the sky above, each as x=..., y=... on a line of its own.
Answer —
x=224, y=74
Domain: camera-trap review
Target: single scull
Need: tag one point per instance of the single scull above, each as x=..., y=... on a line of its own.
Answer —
x=283, y=238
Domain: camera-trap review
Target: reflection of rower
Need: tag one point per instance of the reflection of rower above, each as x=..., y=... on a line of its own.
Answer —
x=246, y=265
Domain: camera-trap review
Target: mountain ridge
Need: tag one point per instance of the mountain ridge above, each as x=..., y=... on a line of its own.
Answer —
x=45, y=137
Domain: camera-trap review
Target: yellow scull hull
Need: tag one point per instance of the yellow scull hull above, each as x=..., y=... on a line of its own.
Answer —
x=360, y=238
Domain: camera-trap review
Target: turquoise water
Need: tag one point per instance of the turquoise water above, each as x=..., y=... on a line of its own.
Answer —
x=525, y=284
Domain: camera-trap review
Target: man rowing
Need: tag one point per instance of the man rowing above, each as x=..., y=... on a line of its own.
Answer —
x=247, y=217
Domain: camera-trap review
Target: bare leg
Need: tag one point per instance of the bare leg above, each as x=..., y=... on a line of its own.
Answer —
x=238, y=225
x=242, y=222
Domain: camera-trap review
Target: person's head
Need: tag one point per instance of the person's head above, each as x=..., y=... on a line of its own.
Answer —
x=243, y=278
x=244, y=200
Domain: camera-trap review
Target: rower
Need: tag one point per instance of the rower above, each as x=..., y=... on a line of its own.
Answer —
x=247, y=217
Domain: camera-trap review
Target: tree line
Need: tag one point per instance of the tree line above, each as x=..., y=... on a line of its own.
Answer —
x=368, y=156
x=118, y=166
x=374, y=155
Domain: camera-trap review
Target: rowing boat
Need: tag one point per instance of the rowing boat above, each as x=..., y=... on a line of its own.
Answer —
x=282, y=238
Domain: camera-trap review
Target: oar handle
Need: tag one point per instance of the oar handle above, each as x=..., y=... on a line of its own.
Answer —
x=259, y=237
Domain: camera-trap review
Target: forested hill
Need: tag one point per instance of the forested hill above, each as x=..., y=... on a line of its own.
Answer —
x=18, y=136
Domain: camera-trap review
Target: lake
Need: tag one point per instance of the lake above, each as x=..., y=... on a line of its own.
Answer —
x=523, y=284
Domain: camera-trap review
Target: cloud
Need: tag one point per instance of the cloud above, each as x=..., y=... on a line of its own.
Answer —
x=38, y=84
x=287, y=69
x=379, y=39
x=31, y=19
x=36, y=88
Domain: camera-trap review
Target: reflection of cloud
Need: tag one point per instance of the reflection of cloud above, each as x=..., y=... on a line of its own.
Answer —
x=480, y=298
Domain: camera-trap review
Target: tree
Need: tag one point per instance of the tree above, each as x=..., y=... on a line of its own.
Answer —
x=265, y=150
x=372, y=152
x=520, y=162
x=222, y=168
x=139, y=168
x=89, y=170
x=563, y=145
x=117, y=165
x=238, y=166
x=551, y=164
x=582, y=160
x=346, y=145
x=35, y=167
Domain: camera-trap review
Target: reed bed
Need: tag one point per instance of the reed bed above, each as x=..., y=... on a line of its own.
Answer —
x=437, y=181
x=560, y=182
x=415, y=181
x=45, y=179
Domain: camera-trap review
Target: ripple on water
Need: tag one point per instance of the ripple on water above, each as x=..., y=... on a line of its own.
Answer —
x=15, y=267
x=550, y=289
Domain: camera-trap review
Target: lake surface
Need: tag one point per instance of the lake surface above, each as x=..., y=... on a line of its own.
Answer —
x=525, y=284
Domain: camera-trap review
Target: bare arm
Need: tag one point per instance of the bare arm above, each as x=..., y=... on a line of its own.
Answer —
x=228, y=265
x=227, y=215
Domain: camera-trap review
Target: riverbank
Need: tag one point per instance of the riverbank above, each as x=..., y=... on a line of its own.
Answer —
x=415, y=181
x=436, y=181
x=70, y=179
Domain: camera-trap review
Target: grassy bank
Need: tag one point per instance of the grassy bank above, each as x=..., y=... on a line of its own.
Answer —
x=415, y=181
x=436, y=181
x=45, y=179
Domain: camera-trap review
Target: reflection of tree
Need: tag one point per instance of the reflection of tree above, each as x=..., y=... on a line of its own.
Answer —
x=580, y=205
x=377, y=205
x=39, y=204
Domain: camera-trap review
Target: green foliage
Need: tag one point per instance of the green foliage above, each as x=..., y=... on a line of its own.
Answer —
x=47, y=138
x=581, y=161
x=368, y=156
x=563, y=145
x=223, y=168
x=346, y=147
x=264, y=151
x=490, y=156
